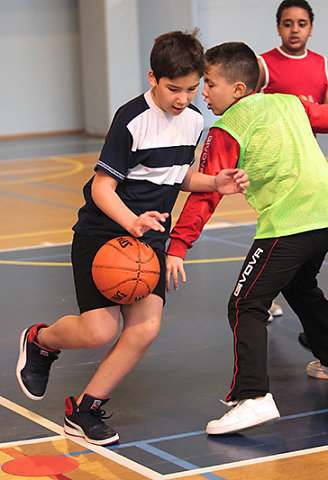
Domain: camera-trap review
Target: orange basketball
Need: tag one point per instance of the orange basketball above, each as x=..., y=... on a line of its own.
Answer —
x=125, y=270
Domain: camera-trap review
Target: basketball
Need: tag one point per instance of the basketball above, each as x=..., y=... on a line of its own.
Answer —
x=125, y=270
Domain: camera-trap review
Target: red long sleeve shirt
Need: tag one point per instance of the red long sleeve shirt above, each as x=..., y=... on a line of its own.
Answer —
x=221, y=151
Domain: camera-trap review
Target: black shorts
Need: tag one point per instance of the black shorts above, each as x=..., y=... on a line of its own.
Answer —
x=84, y=248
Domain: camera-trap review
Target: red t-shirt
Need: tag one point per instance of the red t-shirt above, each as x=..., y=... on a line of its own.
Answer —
x=297, y=75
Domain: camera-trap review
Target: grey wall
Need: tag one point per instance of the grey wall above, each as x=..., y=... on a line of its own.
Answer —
x=69, y=64
x=40, y=81
x=109, y=32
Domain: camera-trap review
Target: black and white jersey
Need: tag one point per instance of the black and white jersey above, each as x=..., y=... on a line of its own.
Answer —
x=149, y=153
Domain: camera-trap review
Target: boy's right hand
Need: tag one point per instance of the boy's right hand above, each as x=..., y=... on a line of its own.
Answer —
x=174, y=267
x=148, y=221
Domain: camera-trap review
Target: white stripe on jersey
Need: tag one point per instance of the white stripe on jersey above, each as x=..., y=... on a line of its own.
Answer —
x=160, y=176
x=110, y=169
x=156, y=129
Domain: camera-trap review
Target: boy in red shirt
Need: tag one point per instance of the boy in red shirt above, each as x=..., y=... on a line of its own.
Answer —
x=292, y=68
x=270, y=136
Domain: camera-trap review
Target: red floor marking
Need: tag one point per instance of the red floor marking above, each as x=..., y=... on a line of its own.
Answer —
x=40, y=466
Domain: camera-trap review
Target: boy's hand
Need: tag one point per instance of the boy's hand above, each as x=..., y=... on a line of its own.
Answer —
x=309, y=98
x=232, y=180
x=174, y=266
x=148, y=221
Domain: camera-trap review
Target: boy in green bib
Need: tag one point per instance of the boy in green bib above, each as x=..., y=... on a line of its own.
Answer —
x=271, y=138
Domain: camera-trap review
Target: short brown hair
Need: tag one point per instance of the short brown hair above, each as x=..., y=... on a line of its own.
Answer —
x=237, y=62
x=177, y=54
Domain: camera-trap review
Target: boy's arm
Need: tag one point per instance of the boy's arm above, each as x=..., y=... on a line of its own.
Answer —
x=318, y=115
x=105, y=197
x=220, y=151
x=227, y=182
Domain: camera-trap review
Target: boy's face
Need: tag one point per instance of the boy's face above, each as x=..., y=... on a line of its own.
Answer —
x=294, y=29
x=174, y=95
x=218, y=93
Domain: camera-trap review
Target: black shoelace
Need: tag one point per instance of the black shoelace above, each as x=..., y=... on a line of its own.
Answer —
x=100, y=414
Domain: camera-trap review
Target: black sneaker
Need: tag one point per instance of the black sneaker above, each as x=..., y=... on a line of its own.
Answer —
x=85, y=420
x=34, y=363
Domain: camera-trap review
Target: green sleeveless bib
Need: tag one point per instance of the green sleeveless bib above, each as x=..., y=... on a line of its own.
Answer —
x=288, y=172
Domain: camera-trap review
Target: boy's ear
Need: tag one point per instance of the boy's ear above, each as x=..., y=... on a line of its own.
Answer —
x=278, y=30
x=239, y=89
x=152, y=79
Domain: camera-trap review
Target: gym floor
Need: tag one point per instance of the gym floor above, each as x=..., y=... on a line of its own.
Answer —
x=162, y=407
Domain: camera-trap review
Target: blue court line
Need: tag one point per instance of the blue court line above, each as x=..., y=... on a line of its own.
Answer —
x=56, y=187
x=37, y=200
x=160, y=454
x=306, y=414
x=175, y=460
x=145, y=445
x=201, y=432
x=229, y=236
x=205, y=238
x=45, y=258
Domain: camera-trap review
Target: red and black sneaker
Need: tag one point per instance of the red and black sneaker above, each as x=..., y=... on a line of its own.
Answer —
x=86, y=420
x=34, y=362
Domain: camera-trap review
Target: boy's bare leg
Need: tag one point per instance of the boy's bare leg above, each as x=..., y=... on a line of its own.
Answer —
x=141, y=326
x=97, y=328
x=92, y=329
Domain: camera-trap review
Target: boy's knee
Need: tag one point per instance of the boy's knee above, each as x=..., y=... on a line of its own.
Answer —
x=148, y=331
x=97, y=338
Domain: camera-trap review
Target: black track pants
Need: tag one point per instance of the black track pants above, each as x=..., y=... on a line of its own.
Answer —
x=288, y=265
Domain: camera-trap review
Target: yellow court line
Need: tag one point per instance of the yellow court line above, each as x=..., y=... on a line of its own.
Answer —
x=215, y=260
x=37, y=264
x=68, y=264
x=78, y=166
x=35, y=234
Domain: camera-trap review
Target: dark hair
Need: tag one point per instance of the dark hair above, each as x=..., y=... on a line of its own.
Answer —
x=177, y=54
x=294, y=3
x=237, y=62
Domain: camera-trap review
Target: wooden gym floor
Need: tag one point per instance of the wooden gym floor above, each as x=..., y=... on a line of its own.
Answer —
x=161, y=409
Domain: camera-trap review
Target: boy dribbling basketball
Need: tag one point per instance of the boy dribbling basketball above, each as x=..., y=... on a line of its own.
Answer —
x=143, y=164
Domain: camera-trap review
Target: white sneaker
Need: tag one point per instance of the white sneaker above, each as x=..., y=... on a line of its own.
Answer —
x=275, y=310
x=247, y=413
x=270, y=317
x=315, y=369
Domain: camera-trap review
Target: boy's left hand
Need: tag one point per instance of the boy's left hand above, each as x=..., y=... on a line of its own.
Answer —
x=174, y=268
x=231, y=180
